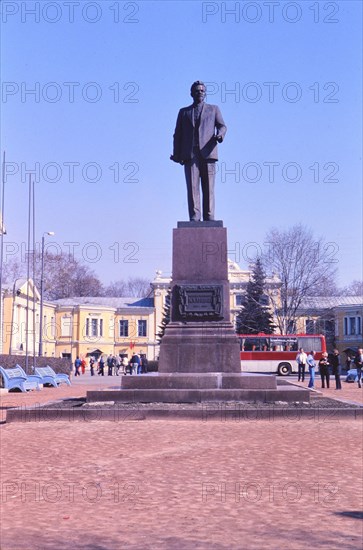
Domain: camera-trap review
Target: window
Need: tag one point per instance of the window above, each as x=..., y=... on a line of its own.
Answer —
x=239, y=299
x=94, y=327
x=124, y=328
x=52, y=327
x=291, y=327
x=141, y=328
x=309, y=326
x=264, y=300
x=66, y=326
x=309, y=344
x=352, y=326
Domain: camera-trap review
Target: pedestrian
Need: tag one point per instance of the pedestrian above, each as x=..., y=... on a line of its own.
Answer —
x=145, y=364
x=83, y=366
x=336, y=368
x=77, y=365
x=91, y=365
x=348, y=362
x=358, y=362
x=140, y=366
x=301, y=359
x=311, y=364
x=109, y=365
x=135, y=362
x=125, y=364
x=117, y=364
x=324, y=370
x=101, y=367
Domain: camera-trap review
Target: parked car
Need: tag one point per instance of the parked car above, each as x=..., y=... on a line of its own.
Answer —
x=352, y=375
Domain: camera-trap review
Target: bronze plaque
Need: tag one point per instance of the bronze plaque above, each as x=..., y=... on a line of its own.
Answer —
x=199, y=302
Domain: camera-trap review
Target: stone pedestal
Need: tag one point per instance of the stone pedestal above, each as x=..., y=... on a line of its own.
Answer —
x=200, y=337
x=199, y=354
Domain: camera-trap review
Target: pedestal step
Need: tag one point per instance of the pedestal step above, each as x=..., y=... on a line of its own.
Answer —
x=200, y=381
x=291, y=393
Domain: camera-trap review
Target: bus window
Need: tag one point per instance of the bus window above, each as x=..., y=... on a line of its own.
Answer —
x=310, y=343
x=255, y=344
x=284, y=344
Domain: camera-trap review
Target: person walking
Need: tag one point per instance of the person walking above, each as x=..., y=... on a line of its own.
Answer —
x=324, y=370
x=311, y=364
x=77, y=365
x=135, y=362
x=145, y=364
x=125, y=364
x=336, y=368
x=109, y=365
x=91, y=365
x=117, y=364
x=83, y=366
x=358, y=362
x=301, y=359
x=101, y=367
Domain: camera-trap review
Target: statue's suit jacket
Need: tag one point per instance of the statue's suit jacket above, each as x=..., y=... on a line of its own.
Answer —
x=210, y=121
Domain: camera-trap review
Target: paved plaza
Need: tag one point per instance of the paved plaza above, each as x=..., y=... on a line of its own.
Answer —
x=180, y=485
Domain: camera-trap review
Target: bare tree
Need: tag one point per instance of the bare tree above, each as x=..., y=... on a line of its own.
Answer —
x=354, y=289
x=326, y=286
x=116, y=288
x=13, y=269
x=64, y=276
x=137, y=287
x=302, y=263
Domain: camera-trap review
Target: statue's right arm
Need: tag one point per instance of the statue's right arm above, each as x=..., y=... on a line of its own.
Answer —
x=177, y=139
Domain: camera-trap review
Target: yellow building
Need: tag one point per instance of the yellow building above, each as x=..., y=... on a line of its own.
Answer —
x=95, y=326
x=339, y=318
x=348, y=318
x=22, y=310
x=238, y=280
x=85, y=326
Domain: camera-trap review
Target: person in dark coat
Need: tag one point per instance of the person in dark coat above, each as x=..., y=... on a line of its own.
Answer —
x=324, y=370
x=101, y=367
x=336, y=368
x=358, y=362
x=110, y=365
x=77, y=365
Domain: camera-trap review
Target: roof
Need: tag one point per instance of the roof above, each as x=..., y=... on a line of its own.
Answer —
x=329, y=302
x=106, y=301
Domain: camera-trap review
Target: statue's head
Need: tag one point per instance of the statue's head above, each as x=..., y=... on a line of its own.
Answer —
x=198, y=91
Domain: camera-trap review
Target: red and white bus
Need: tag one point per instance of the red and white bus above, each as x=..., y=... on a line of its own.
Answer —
x=277, y=352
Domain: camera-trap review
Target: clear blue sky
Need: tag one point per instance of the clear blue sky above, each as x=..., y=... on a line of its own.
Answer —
x=131, y=70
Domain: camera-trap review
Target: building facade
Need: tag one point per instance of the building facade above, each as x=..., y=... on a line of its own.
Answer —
x=86, y=326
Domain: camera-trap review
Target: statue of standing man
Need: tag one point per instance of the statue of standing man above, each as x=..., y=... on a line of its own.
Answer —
x=199, y=128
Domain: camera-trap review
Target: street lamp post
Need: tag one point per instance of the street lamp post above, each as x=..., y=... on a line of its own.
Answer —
x=50, y=233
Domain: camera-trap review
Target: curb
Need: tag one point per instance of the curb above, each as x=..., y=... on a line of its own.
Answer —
x=209, y=413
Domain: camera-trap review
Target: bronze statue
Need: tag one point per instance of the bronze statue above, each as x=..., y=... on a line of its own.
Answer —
x=199, y=128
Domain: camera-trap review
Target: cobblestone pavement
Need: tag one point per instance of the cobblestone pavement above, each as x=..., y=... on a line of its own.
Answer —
x=178, y=485
x=79, y=388
x=349, y=392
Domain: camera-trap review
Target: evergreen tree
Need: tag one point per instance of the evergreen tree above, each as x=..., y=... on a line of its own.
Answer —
x=166, y=317
x=255, y=316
